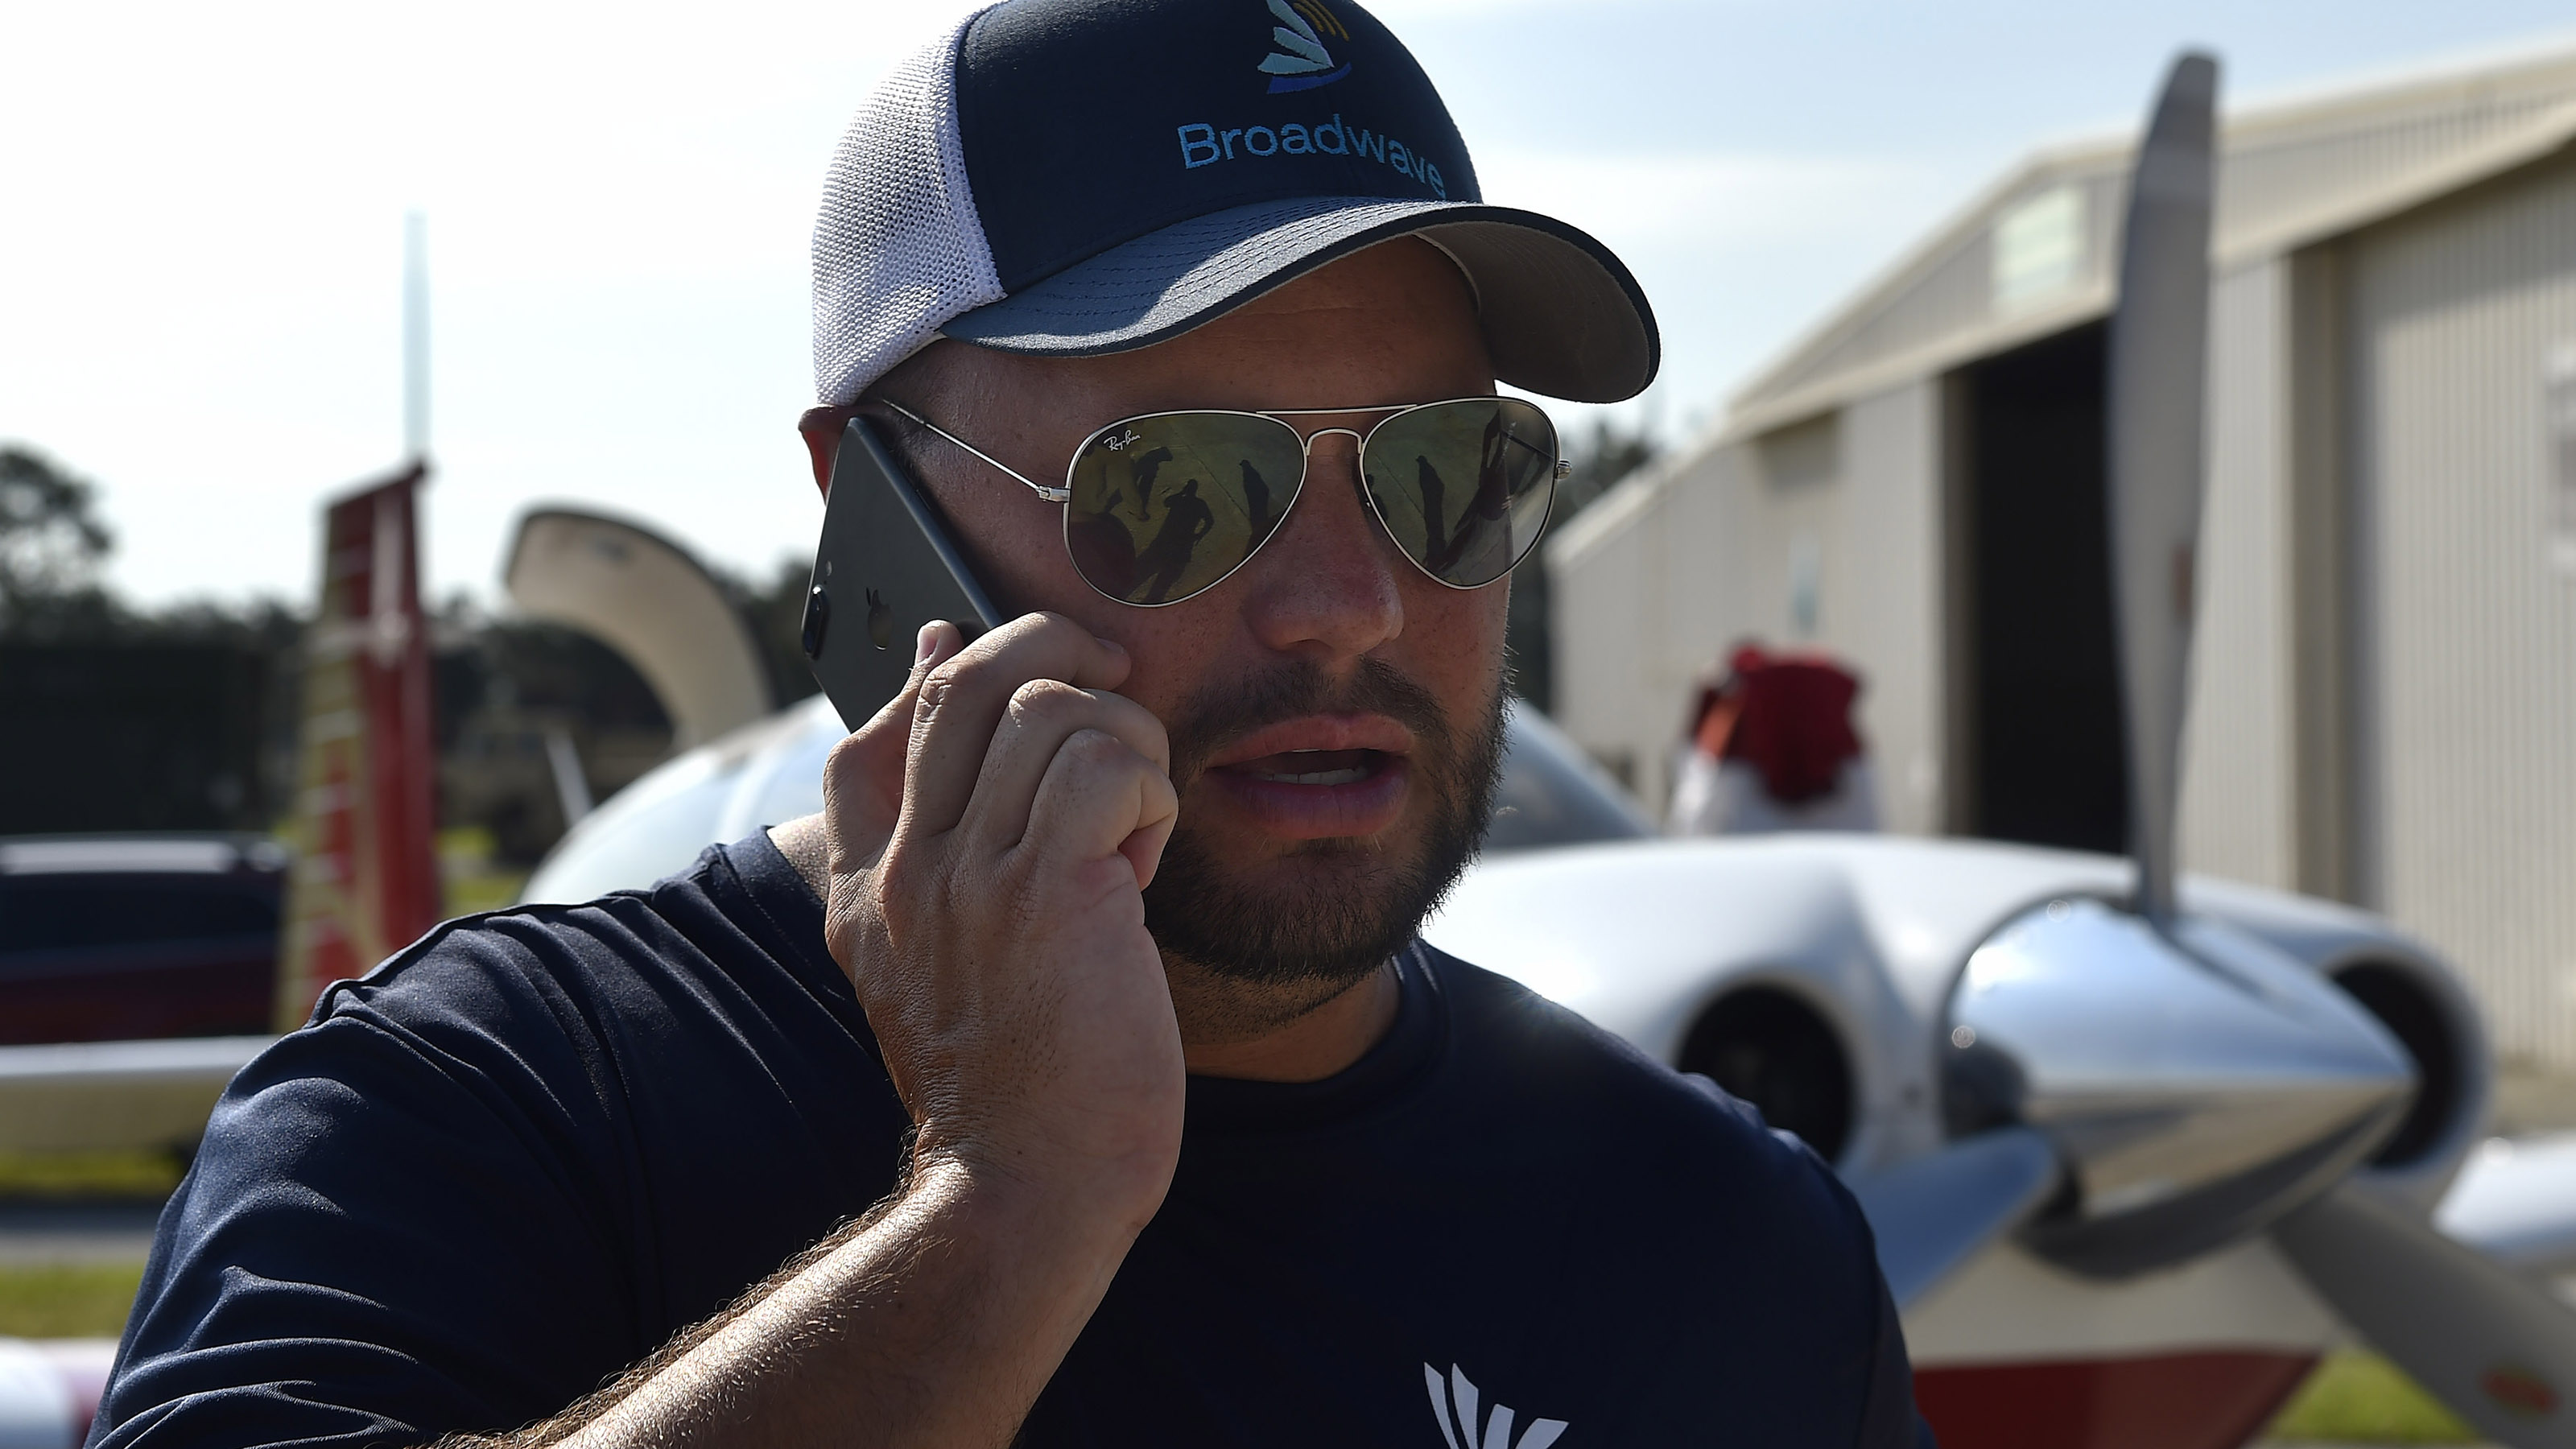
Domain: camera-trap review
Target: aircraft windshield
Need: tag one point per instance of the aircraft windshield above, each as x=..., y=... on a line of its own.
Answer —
x=1552, y=793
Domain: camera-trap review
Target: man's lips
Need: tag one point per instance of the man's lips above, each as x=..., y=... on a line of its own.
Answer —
x=1327, y=733
x=1319, y=776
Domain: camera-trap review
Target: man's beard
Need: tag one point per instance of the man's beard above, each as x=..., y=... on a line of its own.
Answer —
x=1333, y=932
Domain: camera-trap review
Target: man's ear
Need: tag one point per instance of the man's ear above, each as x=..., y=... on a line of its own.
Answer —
x=822, y=428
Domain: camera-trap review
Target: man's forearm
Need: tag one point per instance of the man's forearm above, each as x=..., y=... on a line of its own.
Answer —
x=936, y=1320
x=985, y=847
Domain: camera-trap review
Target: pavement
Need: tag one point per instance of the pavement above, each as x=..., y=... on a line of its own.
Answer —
x=2529, y=1101
x=36, y=1231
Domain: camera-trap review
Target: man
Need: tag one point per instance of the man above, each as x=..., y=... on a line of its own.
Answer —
x=1079, y=1062
x=1186, y=520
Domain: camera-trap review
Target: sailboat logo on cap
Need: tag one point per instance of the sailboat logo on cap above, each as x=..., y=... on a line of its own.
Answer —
x=1301, y=62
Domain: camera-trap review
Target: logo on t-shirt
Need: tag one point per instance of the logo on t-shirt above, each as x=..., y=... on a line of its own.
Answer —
x=1301, y=62
x=1453, y=1403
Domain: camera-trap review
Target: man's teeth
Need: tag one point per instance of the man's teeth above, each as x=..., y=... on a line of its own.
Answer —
x=1347, y=775
x=1320, y=777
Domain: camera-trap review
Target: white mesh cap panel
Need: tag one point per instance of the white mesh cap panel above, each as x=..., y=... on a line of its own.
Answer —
x=898, y=249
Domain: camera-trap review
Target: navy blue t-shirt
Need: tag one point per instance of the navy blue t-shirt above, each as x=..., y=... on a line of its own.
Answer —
x=529, y=1150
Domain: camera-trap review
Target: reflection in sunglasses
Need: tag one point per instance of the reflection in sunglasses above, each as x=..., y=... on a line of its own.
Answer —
x=1163, y=506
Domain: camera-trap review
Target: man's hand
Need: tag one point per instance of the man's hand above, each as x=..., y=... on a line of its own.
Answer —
x=990, y=834
x=992, y=830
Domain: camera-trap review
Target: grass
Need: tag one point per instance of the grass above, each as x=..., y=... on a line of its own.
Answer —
x=66, y=1300
x=47, y=1175
x=76, y=1300
x=470, y=881
x=2354, y=1397
x=90, y=1300
x=2357, y=1397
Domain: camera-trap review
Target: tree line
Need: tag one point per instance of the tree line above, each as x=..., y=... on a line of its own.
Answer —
x=117, y=716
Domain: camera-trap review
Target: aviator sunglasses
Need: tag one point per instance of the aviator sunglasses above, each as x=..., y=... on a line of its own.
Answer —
x=1164, y=506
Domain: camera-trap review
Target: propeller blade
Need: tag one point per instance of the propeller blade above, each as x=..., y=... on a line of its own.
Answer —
x=1934, y=1212
x=2515, y=1202
x=2500, y=1351
x=2158, y=357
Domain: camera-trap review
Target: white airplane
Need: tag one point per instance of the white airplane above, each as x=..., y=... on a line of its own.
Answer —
x=2136, y=1150
x=2127, y=1185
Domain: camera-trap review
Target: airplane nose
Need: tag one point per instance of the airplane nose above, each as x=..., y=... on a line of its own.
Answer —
x=2197, y=1086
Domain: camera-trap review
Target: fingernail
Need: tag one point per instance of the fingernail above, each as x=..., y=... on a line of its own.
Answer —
x=1111, y=644
x=925, y=641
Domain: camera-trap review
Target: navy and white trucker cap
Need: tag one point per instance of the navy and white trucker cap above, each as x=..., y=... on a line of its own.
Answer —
x=1074, y=177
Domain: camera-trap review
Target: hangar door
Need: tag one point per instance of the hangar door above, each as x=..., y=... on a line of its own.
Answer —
x=2036, y=751
x=2460, y=438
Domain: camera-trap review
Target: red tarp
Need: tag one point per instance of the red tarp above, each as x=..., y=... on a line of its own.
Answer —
x=1788, y=715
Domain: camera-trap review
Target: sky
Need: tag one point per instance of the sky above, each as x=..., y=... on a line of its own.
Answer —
x=201, y=221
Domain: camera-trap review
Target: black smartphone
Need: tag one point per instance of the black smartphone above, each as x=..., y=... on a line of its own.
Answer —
x=885, y=567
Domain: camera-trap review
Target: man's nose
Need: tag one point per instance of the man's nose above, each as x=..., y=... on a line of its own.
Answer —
x=1328, y=585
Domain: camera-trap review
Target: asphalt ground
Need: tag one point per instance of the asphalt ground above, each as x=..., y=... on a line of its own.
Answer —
x=74, y=1230
x=2527, y=1101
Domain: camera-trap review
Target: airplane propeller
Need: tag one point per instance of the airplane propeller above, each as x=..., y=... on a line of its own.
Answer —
x=2487, y=1342
x=2499, y=1350
x=1933, y=1213
x=2493, y=1346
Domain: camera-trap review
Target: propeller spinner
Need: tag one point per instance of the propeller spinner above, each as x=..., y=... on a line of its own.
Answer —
x=2195, y=1083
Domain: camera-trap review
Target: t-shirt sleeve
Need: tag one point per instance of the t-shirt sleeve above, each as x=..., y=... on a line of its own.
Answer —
x=1845, y=1370
x=1890, y=1420
x=387, y=1213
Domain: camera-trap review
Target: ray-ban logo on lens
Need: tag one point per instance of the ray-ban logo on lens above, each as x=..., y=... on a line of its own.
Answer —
x=1453, y=1403
x=1300, y=62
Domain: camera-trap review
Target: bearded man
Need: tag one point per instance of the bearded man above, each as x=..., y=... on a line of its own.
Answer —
x=1079, y=1063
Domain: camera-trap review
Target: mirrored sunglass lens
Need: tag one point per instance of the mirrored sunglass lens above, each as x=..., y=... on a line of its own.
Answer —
x=1464, y=486
x=1165, y=506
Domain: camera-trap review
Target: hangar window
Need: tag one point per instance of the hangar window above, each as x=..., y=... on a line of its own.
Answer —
x=2038, y=249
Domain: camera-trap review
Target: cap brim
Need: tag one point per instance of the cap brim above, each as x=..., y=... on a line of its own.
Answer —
x=1561, y=315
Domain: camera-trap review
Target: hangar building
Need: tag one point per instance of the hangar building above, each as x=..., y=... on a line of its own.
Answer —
x=2384, y=691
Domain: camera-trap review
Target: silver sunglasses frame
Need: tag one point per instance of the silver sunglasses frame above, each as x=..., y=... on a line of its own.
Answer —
x=1305, y=455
